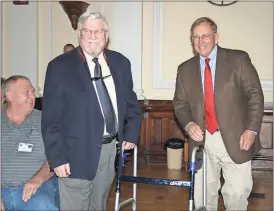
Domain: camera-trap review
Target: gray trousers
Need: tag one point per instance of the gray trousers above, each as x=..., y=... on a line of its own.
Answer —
x=79, y=194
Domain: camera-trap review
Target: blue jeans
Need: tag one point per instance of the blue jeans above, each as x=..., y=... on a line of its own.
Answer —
x=44, y=198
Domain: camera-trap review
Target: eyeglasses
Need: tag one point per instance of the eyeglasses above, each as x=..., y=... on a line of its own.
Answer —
x=96, y=32
x=205, y=37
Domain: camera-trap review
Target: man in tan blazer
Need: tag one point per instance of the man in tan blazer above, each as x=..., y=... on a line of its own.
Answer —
x=219, y=101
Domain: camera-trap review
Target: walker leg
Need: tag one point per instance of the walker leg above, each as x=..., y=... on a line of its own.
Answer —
x=135, y=175
x=118, y=173
x=117, y=199
x=204, y=179
x=132, y=200
x=192, y=170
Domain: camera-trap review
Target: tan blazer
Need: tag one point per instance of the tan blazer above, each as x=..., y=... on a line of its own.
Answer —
x=239, y=101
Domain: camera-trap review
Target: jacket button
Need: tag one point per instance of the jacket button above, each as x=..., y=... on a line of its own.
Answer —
x=99, y=145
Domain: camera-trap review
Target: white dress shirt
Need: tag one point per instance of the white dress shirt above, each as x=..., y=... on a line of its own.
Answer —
x=108, y=82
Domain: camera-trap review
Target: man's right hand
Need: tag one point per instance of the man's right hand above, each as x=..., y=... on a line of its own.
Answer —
x=2, y=205
x=194, y=131
x=63, y=170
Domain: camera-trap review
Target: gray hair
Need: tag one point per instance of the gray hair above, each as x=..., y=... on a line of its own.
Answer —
x=10, y=80
x=204, y=20
x=89, y=15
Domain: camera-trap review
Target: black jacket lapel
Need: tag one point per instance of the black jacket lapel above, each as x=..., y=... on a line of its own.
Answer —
x=84, y=75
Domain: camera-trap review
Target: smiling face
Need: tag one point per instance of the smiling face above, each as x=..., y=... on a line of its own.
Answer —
x=93, y=37
x=21, y=95
x=204, y=39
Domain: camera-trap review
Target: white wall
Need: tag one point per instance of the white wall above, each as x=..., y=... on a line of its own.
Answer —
x=21, y=40
x=166, y=39
x=153, y=35
x=1, y=46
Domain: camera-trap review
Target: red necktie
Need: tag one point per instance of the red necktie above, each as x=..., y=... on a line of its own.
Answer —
x=211, y=121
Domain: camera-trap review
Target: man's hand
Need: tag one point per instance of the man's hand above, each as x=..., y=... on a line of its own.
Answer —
x=2, y=204
x=127, y=145
x=30, y=188
x=63, y=170
x=247, y=139
x=195, y=131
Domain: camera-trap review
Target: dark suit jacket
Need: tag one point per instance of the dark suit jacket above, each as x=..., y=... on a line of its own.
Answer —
x=239, y=101
x=72, y=122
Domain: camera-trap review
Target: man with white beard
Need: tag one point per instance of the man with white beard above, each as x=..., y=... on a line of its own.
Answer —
x=88, y=105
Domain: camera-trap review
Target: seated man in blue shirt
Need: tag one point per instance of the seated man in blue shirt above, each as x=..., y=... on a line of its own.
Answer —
x=27, y=183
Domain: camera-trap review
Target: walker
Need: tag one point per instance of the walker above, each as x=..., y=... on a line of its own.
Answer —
x=145, y=180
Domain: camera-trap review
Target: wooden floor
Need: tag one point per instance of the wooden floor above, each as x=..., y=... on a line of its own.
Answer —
x=156, y=197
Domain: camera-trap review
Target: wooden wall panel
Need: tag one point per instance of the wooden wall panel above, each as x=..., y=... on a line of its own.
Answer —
x=160, y=124
x=264, y=160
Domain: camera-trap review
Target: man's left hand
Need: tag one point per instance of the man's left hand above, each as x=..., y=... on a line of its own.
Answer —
x=30, y=188
x=247, y=139
x=127, y=145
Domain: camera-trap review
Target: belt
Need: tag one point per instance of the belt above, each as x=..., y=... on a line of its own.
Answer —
x=108, y=139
